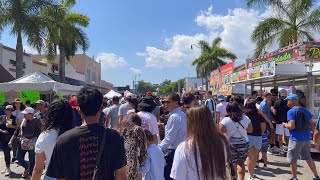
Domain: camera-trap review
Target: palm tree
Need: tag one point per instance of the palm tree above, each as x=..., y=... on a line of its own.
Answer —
x=22, y=17
x=293, y=21
x=64, y=31
x=211, y=58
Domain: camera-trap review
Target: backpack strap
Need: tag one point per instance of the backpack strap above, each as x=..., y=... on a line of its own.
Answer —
x=103, y=142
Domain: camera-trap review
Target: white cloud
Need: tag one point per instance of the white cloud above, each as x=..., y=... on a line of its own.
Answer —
x=135, y=70
x=111, y=60
x=141, y=54
x=234, y=28
x=30, y=50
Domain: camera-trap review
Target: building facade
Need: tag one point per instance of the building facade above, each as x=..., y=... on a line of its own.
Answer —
x=7, y=63
x=193, y=83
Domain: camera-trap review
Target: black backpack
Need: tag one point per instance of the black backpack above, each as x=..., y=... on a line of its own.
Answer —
x=302, y=123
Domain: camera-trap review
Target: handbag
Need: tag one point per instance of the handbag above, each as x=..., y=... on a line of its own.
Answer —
x=96, y=169
x=26, y=143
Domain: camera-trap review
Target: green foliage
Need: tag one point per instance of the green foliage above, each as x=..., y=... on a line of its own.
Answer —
x=144, y=87
x=167, y=86
x=292, y=21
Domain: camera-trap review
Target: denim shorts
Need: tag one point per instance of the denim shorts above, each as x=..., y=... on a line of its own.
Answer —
x=48, y=178
x=255, y=141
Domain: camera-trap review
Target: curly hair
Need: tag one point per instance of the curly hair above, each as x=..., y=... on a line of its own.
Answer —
x=60, y=117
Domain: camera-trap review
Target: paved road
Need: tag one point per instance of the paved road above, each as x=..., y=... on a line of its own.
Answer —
x=278, y=169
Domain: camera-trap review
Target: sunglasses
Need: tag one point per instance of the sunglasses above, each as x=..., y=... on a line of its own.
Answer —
x=166, y=102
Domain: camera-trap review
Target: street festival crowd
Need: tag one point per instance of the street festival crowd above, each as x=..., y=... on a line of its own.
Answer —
x=185, y=138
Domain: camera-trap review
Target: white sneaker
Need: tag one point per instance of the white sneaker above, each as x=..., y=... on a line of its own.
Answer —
x=251, y=178
x=8, y=172
x=4, y=171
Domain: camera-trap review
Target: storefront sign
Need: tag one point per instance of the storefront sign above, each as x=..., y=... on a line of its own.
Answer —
x=2, y=98
x=262, y=71
x=239, y=76
x=313, y=54
x=225, y=78
x=280, y=58
x=31, y=95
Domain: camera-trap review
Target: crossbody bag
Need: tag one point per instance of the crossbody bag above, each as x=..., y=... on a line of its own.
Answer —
x=96, y=169
x=26, y=143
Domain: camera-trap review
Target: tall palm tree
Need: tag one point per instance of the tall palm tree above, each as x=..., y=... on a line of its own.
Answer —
x=65, y=32
x=211, y=58
x=22, y=17
x=293, y=21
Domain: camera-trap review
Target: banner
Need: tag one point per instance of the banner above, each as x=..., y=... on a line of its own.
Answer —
x=31, y=95
x=225, y=78
x=214, y=79
x=60, y=95
x=262, y=71
x=312, y=54
x=280, y=58
x=239, y=76
x=2, y=98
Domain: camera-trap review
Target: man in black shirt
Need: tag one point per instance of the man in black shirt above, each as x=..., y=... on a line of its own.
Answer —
x=76, y=151
x=280, y=109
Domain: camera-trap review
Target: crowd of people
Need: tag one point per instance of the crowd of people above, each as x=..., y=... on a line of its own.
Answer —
x=152, y=138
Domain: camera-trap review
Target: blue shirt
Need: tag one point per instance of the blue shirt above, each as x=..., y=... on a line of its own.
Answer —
x=265, y=137
x=265, y=108
x=175, y=130
x=153, y=167
x=299, y=136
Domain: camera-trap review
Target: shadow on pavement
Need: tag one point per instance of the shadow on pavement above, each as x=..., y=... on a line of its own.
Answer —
x=281, y=164
x=14, y=175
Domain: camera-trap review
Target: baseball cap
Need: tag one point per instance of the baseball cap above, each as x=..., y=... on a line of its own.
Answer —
x=74, y=102
x=221, y=97
x=40, y=102
x=9, y=107
x=28, y=110
x=283, y=93
x=148, y=93
x=292, y=97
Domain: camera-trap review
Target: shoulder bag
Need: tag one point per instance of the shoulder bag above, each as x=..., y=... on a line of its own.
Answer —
x=103, y=142
x=26, y=143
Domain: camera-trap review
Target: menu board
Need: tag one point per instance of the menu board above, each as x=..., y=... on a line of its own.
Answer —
x=239, y=76
x=262, y=71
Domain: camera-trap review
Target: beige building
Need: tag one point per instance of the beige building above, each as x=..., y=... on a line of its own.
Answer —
x=7, y=63
x=80, y=67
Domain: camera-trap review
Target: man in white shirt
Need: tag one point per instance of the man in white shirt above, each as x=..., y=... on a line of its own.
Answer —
x=112, y=113
x=221, y=107
x=124, y=108
x=210, y=103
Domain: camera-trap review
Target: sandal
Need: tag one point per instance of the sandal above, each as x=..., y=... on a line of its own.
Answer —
x=25, y=173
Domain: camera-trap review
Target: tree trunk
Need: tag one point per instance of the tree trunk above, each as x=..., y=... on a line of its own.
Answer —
x=62, y=75
x=19, y=56
x=207, y=83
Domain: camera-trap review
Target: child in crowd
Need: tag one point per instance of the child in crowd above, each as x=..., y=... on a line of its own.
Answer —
x=153, y=167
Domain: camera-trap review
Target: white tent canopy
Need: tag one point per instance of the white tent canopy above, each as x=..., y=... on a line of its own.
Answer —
x=40, y=82
x=111, y=93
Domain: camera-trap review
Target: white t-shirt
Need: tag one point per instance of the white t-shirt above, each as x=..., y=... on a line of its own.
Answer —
x=20, y=116
x=184, y=165
x=222, y=109
x=149, y=122
x=234, y=129
x=45, y=143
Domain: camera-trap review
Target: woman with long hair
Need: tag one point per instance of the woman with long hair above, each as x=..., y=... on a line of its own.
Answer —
x=18, y=108
x=204, y=154
x=255, y=138
x=133, y=104
x=135, y=144
x=236, y=126
x=60, y=120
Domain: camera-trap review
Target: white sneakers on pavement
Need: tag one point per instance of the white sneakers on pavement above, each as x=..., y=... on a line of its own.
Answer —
x=8, y=172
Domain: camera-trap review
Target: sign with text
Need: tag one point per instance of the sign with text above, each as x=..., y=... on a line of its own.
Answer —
x=2, y=98
x=313, y=54
x=239, y=76
x=31, y=95
x=280, y=58
x=262, y=71
x=214, y=79
x=225, y=78
x=60, y=95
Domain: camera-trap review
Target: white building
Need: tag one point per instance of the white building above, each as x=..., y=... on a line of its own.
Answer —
x=7, y=63
x=192, y=83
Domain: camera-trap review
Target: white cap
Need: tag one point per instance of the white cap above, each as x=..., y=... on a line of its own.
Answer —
x=28, y=110
x=40, y=102
x=129, y=95
x=283, y=93
x=9, y=107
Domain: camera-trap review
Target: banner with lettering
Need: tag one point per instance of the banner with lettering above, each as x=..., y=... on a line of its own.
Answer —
x=31, y=95
x=2, y=98
x=225, y=78
x=283, y=57
x=312, y=54
x=214, y=79
x=262, y=71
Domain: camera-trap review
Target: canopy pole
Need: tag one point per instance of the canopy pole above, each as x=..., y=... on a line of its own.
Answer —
x=252, y=87
x=293, y=85
x=261, y=88
x=310, y=92
x=245, y=91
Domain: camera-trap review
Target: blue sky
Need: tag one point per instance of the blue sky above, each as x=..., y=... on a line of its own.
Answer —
x=153, y=38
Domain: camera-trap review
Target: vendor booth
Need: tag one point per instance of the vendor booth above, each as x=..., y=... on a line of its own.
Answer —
x=33, y=84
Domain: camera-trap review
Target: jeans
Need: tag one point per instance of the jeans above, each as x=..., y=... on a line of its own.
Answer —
x=169, y=161
x=23, y=163
x=6, y=152
x=15, y=147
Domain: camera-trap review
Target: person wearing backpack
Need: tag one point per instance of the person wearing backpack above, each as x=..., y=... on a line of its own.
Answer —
x=299, y=123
